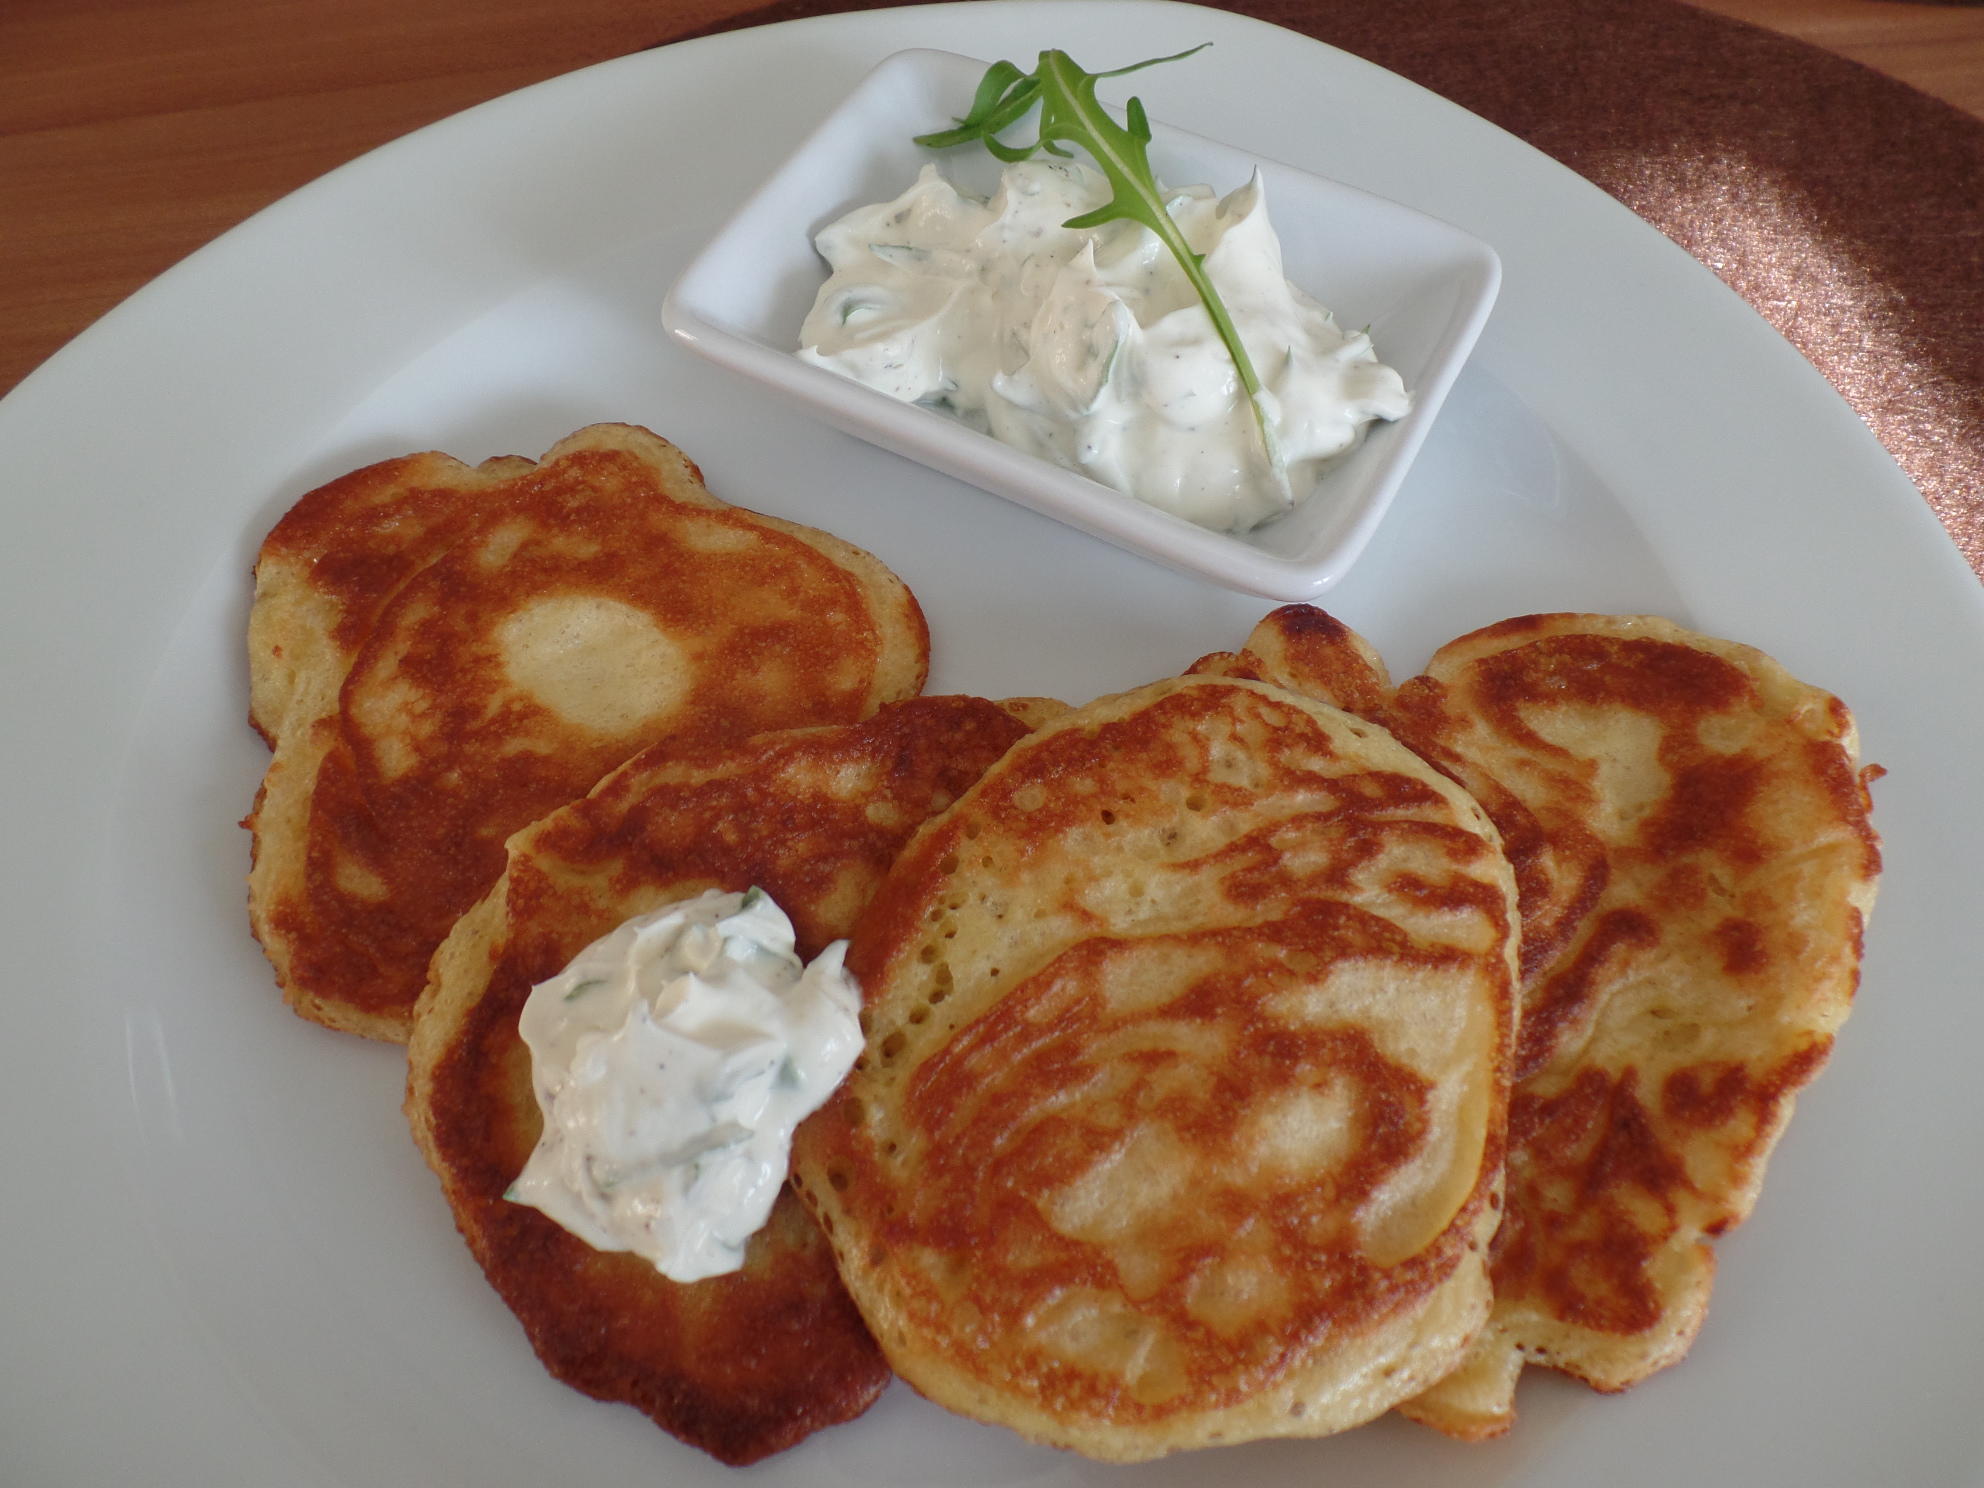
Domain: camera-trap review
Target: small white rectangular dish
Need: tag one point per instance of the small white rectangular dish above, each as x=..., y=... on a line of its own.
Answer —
x=1423, y=287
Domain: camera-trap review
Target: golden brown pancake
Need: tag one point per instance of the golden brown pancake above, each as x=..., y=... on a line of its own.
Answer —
x=1311, y=652
x=336, y=557
x=740, y=1365
x=441, y=655
x=1182, y=1110
x=1691, y=843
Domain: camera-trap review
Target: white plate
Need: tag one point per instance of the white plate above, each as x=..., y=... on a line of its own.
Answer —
x=224, y=1263
x=1421, y=286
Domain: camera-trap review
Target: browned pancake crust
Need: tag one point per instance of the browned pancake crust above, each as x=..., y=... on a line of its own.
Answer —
x=1695, y=862
x=1311, y=652
x=979, y=1111
x=342, y=551
x=741, y=1365
x=1737, y=892
x=391, y=800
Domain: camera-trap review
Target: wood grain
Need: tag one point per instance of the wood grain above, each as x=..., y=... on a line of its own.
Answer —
x=1936, y=48
x=134, y=131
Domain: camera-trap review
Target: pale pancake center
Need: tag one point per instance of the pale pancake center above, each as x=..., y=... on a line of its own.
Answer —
x=596, y=662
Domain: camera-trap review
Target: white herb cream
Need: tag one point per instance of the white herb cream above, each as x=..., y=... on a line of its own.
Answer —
x=1089, y=347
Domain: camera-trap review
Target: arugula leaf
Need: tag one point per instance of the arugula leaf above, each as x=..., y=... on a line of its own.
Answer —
x=1069, y=114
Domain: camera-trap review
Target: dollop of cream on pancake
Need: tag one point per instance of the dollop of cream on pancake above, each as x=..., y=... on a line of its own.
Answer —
x=672, y=1059
x=740, y=1365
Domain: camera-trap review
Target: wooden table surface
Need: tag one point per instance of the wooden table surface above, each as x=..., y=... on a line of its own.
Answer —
x=134, y=131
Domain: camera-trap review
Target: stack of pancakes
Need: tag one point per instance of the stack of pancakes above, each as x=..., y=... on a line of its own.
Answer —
x=1690, y=836
x=1249, y=1054
x=739, y=1365
x=441, y=654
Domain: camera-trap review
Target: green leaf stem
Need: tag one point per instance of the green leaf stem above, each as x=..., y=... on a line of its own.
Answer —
x=1070, y=115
